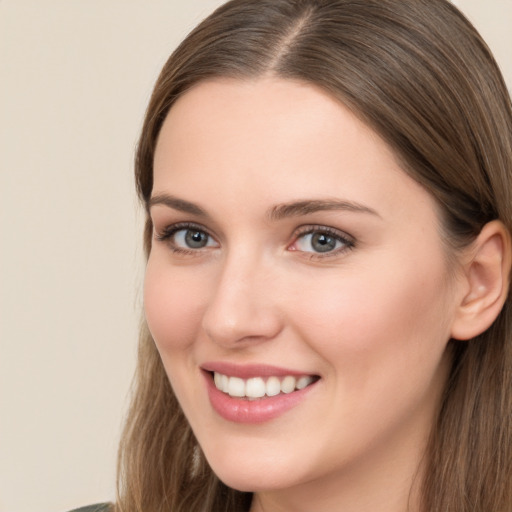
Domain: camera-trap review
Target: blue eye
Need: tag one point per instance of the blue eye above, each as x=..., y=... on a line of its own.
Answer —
x=186, y=238
x=321, y=241
x=192, y=239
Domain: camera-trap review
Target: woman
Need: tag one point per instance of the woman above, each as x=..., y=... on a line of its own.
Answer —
x=329, y=214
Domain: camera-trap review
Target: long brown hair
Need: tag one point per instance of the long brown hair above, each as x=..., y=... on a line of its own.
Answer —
x=420, y=75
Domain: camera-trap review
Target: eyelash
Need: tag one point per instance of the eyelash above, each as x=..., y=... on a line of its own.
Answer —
x=348, y=242
x=168, y=232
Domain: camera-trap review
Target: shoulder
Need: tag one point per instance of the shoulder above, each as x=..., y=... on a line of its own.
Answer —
x=99, y=507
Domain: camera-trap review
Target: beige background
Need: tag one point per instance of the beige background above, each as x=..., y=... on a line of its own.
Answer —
x=75, y=76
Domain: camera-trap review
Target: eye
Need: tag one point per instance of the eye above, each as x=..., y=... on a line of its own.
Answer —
x=185, y=237
x=321, y=241
x=192, y=239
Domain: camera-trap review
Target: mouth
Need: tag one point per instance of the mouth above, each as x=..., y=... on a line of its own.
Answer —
x=256, y=388
x=255, y=393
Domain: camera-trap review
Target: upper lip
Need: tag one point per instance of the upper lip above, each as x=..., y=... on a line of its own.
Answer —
x=247, y=371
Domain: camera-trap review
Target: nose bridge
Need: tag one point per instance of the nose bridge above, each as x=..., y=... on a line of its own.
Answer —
x=241, y=307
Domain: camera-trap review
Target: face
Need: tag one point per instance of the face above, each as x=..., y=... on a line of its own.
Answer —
x=296, y=267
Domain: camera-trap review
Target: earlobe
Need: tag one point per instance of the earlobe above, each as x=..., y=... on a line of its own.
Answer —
x=486, y=275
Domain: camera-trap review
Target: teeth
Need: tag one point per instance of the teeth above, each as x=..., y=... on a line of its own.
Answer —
x=224, y=383
x=273, y=386
x=217, y=379
x=236, y=387
x=288, y=384
x=304, y=382
x=256, y=387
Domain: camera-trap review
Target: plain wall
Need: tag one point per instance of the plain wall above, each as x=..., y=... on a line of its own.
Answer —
x=75, y=76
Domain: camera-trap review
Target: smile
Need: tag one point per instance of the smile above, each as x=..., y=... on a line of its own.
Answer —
x=255, y=393
x=259, y=387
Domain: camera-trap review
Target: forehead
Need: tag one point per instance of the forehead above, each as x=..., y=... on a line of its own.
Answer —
x=275, y=139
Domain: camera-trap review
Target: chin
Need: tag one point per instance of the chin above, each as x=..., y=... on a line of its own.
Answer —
x=252, y=481
x=246, y=475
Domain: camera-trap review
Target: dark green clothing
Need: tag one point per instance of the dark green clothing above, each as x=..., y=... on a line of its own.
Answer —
x=99, y=507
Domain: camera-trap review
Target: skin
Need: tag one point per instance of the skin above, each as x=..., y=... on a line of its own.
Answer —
x=372, y=318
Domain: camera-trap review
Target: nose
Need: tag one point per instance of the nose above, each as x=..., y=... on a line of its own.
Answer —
x=242, y=308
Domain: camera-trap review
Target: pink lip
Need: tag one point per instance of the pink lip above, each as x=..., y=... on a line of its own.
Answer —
x=241, y=410
x=249, y=370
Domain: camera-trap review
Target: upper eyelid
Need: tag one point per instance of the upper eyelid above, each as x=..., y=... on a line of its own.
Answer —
x=307, y=229
x=170, y=230
x=300, y=230
x=162, y=224
x=177, y=226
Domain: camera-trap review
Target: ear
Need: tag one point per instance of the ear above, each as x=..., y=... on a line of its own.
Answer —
x=486, y=274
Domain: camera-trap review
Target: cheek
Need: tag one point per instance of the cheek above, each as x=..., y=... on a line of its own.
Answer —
x=382, y=341
x=370, y=319
x=172, y=305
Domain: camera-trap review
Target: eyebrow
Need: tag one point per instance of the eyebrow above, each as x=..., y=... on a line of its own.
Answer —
x=277, y=212
x=305, y=207
x=177, y=204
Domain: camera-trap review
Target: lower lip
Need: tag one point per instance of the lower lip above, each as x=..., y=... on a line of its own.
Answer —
x=240, y=410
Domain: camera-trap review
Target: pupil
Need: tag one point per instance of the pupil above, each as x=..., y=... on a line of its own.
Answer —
x=322, y=242
x=196, y=239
